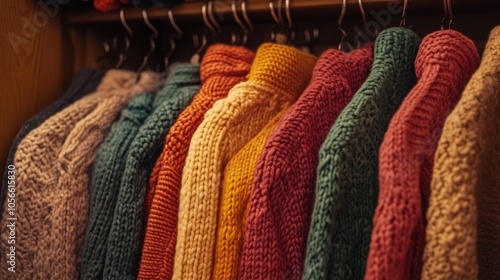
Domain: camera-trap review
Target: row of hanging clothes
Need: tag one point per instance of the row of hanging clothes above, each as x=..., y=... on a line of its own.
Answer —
x=376, y=163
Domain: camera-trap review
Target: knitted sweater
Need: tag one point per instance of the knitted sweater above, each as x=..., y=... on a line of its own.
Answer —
x=463, y=217
x=124, y=245
x=84, y=82
x=276, y=233
x=347, y=182
x=222, y=68
x=37, y=199
x=233, y=206
x=278, y=75
x=445, y=61
x=107, y=171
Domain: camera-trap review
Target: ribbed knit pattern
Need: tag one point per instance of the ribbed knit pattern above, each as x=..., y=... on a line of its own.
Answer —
x=278, y=75
x=464, y=216
x=107, y=172
x=445, y=62
x=108, y=5
x=347, y=180
x=84, y=82
x=222, y=68
x=38, y=202
x=125, y=237
x=276, y=233
x=233, y=209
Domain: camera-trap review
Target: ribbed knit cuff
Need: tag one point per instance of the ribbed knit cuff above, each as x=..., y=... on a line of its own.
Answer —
x=452, y=51
x=225, y=60
x=283, y=68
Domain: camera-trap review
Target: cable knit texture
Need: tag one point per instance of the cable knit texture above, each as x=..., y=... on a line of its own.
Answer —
x=463, y=231
x=445, y=62
x=347, y=180
x=84, y=82
x=222, y=68
x=278, y=75
x=109, y=5
x=124, y=245
x=39, y=203
x=107, y=171
x=276, y=232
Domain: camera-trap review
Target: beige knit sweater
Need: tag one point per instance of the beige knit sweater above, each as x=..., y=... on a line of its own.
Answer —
x=463, y=231
x=51, y=203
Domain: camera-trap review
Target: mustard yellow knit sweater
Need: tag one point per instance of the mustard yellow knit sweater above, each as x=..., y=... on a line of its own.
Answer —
x=234, y=204
x=278, y=75
x=463, y=231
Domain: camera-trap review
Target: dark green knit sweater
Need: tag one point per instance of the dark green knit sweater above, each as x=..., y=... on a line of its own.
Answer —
x=125, y=238
x=107, y=171
x=347, y=181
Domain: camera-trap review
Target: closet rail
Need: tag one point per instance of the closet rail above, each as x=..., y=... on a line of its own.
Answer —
x=299, y=8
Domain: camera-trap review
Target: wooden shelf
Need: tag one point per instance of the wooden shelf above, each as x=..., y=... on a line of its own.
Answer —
x=259, y=9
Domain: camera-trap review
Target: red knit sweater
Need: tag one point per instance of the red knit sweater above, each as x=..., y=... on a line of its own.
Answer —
x=444, y=64
x=284, y=180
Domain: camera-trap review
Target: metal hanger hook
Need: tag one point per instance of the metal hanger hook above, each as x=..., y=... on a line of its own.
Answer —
x=402, y=23
x=363, y=14
x=212, y=17
x=152, y=40
x=206, y=19
x=448, y=14
x=245, y=15
x=341, y=19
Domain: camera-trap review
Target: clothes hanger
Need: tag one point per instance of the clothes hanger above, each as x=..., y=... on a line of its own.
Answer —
x=245, y=31
x=200, y=46
x=176, y=35
x=152, y=40
x=448, y=14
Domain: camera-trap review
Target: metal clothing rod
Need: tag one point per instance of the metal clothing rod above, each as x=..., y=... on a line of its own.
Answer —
x=309, y=9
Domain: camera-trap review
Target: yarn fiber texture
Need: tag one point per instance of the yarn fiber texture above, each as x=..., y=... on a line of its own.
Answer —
x=221, y=69
x=38, y=202
x=445, y=62
x=463, y=231
x=124, y=245
x=347, y=175
x=84, y=82
x=233, y=206
x=282, y=190
x=277, y=77
x=70, y=215
x=107, y=172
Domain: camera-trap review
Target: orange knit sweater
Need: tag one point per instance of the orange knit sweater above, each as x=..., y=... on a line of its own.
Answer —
x=222, y=68
x=278, y=75
x=463, y=231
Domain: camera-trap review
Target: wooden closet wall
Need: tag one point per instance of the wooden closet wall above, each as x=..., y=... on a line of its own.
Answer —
x=40, y=52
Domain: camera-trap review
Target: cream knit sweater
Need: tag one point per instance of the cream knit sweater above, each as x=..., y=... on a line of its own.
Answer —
x=278, y=76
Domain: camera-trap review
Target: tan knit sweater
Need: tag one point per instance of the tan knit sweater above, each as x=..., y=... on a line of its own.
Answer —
x=50, y=221
x=463, y=231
